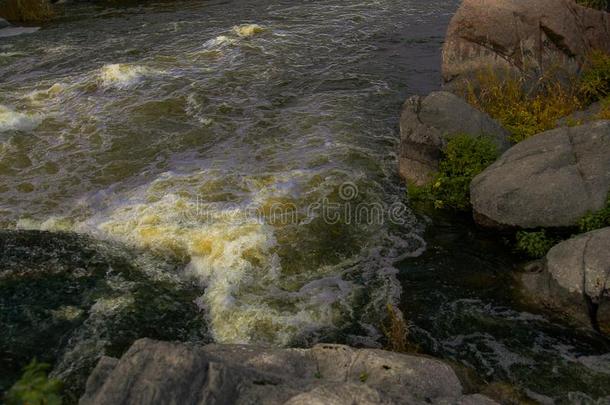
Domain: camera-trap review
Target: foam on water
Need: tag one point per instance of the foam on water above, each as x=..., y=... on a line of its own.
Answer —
x=14, y=120
x=248, y=30
x=120, y=75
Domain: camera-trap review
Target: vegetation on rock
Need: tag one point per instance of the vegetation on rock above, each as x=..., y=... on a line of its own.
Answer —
x=526, y=112
x=596, y=220
x=594, y=82
x=464, y=157
x=597, y=4
x=534, y=244
x=523, y=112
x=34, y=387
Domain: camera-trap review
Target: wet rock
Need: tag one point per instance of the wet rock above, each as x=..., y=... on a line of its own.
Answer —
x=576, y=278
x=4, y=23
x=426, y=123
x=525, y=37
x=68, y=299
x=549, y=180
x=154, y=372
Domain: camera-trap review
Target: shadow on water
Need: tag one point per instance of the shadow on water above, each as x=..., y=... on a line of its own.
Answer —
x=67, y=299
x=462, y=301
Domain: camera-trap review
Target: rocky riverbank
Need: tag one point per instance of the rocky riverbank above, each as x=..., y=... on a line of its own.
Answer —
x=550, y=181
x=153, y=372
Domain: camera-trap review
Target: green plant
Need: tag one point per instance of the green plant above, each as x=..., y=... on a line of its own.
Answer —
x=598, y=4
x=363, y=377
x=26, y=10
x=534, y=244
x=596, y=220
x=464, y=157
x=34, y=387
x=594, y=82
x=523, y=112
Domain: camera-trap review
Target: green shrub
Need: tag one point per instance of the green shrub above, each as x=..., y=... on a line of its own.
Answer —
x=594, y=82
x=34, y=387
x=534, y=244
x=524, y=113
x=596, y=220
x=598, y=4
x=464, y=157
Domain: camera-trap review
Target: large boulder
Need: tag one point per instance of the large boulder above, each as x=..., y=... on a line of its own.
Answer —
x=426, y=123
x=549, y=180
x=4, y=23
x=576, y=278
x=522, y=36
x=154, y=372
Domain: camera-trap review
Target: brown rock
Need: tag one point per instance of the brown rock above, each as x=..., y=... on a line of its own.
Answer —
x=527, y=37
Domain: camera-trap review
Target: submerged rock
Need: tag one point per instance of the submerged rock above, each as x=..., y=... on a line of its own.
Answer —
x=68, y=299
x=426, y=123
x=154, y=372
x=523, y=37
x=576, y=278
x=549, y=180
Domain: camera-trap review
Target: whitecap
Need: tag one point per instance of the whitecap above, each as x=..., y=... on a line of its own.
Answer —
x=120, y=75
x=14, y=120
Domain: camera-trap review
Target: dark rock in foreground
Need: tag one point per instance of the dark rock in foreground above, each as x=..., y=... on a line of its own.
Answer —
x=426, y=123
x=576, y=279
x=550, y=180
x=154, y=372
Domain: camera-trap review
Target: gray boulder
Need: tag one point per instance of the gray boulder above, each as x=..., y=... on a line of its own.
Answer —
x=549, y=180
x=576, y=279
x=426, y=123
x=154, y=372
x=525, y=37
x=4, y=23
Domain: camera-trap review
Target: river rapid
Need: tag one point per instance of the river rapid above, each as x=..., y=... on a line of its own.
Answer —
x=214, y=136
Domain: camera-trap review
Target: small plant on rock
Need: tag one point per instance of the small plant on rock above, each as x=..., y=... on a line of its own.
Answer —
x=594, y=82
x=534, y=244
x=596, y=220
x=465, y=156
x=598, y=4
x=34, y=387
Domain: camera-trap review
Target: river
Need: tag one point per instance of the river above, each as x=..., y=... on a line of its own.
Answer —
x=250, y=144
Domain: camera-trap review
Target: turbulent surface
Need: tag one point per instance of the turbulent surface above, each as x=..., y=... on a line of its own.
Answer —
x=184, y=129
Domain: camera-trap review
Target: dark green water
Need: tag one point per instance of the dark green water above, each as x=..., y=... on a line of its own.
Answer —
x=169, y=135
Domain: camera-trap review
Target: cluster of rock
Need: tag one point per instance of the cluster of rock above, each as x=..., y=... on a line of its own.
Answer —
x=153, y=372
x=550, y=180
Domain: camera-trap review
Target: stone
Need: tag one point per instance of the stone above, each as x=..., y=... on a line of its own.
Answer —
x=526, y=37
x=549, y=180
x=576, y=279
x=154, y=372
x=426, y=123
x=4, y=23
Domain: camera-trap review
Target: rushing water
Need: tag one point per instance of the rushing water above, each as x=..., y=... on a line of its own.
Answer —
x=182, y=129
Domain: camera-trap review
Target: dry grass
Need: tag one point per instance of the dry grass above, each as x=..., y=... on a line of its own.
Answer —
x=396, y=331
x=26, y=10
x=523, y=112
